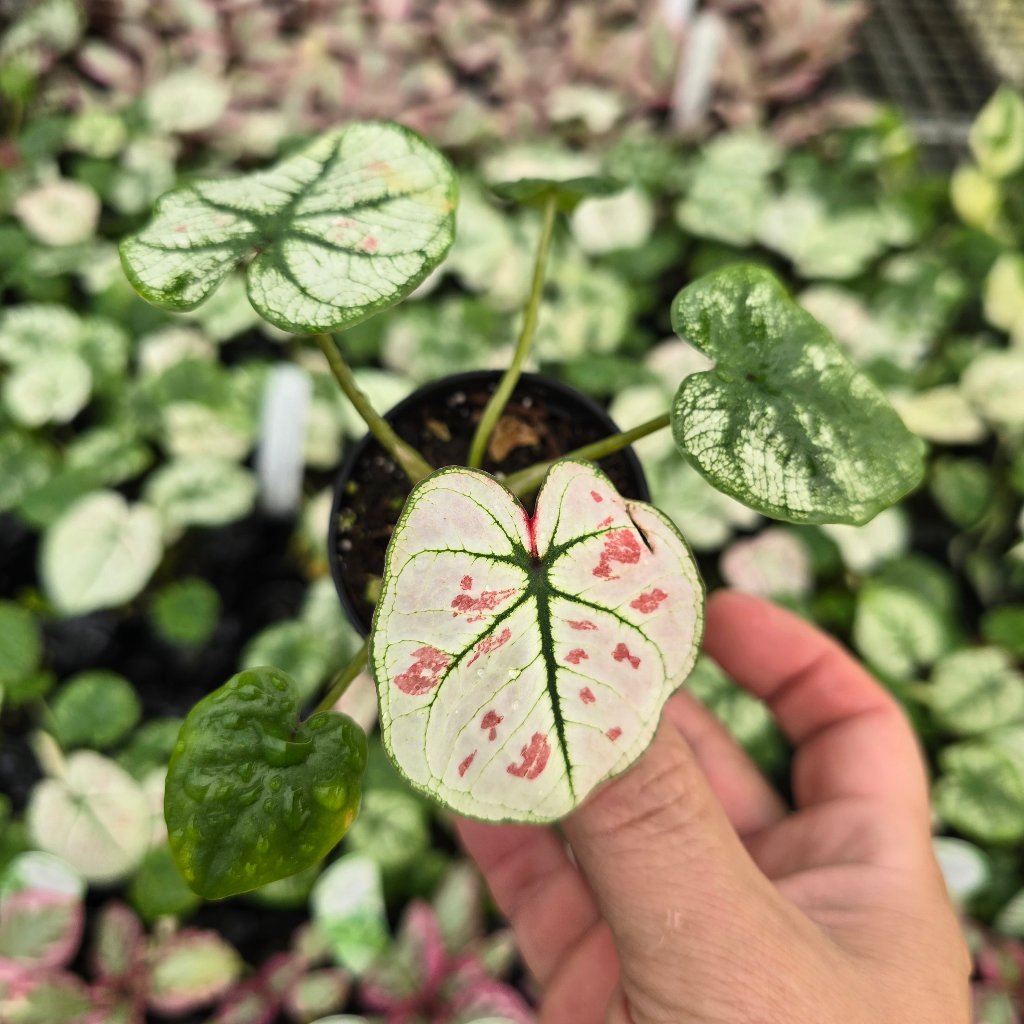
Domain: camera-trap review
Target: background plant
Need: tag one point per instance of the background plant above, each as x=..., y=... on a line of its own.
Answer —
x=938, y=577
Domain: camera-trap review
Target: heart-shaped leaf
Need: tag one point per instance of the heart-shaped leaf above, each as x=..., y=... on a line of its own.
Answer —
x=567, y=193
x=252, y=793
x=333, y=234
x=521, y=661
x=784, y=422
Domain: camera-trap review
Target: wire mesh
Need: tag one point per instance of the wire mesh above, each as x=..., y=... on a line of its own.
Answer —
x=930, y=59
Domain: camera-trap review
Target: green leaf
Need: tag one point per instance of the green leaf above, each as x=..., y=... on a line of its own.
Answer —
x=21, y=644
x=96, y=817
x=95, y=709
x=298, y=649
x=100, y=553
x=149, y=747
x=391, y=829
x=50, y=390
x=1004, y=294
x=898, y=631
x=993, y=384
x=190, y=969
x=185, y=612
x=348, y=908
x=252, y=793
x=748, y=720
x=331, y=235
x=1005, y=626
x=976, y=690
x=784, y=422
x=522, y=661
x=567, y=192
x=158, y=889
x=201, y=491
x=981, y=793
x=963, y=489
x=965, y=868
x=997, y=135
x=730, y=187
x=25, y=464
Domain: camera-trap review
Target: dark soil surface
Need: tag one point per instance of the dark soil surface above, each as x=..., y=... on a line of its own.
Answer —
x=541, y=422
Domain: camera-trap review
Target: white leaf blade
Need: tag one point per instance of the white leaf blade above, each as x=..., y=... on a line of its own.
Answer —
x=508, y=651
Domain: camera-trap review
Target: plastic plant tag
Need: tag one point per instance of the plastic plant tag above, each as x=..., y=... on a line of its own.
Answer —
x=521, y=661
x=252, y=793
x=331, y=235
x=784, y=422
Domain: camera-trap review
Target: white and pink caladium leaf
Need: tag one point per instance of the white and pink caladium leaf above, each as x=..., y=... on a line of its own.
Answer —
x=520, y=661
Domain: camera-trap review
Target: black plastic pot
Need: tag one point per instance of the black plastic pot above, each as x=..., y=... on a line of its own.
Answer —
x=547, y=418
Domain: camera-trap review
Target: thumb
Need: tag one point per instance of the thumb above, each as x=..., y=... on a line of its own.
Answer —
x=668, y=871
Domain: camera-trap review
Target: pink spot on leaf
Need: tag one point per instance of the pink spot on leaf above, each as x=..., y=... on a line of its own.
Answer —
x=486, y=602
x=379, y=165
x=587, y=695
x=646, y=603
x=576, y=655
x=491, y=721
x=535, y=758
x=596, y=496
x=613, y=733
x=582, y=625
x=369, y=244
x=621, y=653
x=619, y=546
x=606, y=522
x=344, y=222
x=488, y=644
x=464, y=766
x=466, y=583
x=422, y=676
x=180, y=228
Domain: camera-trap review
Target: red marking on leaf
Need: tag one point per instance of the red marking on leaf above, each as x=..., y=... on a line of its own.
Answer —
x=619, y=546
x=613, y=733
x=464, y=766
x=344, y=222
x=422, y=675
x=531, y=533
x=379, y=165
x=491, y=643
x=606, y=522
x=596, y=496
x=576, y=655
x=486, y=602
x=587, y=695
x=180, y=227
x=369, y=244
x=621, y=653
x=491, y=721
x=646, y=603
x=535, y=758
x=583, y=625
x=466, y=583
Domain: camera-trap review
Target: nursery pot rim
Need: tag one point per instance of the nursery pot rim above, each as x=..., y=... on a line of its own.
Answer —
x=456, y=381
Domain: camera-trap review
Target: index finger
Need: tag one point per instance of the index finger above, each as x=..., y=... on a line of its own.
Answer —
x=851, y=735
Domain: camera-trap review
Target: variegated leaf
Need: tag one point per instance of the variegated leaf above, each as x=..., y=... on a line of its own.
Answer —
x=331, y=235
x=520, y=661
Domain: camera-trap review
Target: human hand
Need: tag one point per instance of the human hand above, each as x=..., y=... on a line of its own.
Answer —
x=700, y=897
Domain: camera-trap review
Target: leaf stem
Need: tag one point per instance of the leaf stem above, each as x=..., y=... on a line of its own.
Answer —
x=496, y=406
x=413, y=464
x=340, y=683
x=526, y=481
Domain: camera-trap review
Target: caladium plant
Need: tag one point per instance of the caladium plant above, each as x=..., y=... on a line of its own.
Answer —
x=522, y=651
